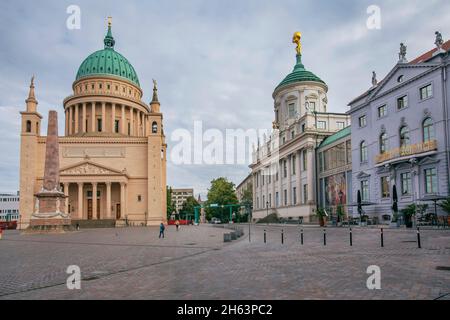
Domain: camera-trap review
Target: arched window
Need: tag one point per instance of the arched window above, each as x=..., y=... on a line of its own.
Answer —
x=428, y=130
x=383, y=142
x=404, y=136
x=28, y=126
x=363, y=151
x=154, y=127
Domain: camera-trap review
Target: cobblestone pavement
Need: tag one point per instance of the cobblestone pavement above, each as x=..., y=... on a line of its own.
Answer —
x=195, y=264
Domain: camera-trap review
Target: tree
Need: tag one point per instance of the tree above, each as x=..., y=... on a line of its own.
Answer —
x=170, y=203
x=445, y=205
x=188, y=207
x=247, y=201
x=222, y=192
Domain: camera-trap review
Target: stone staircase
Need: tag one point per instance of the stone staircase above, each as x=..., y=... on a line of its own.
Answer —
x=94, y=224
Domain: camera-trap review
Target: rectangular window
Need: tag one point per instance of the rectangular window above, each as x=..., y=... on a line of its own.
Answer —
x=405, y=179
x=285, y=197
x=305, y=193
x=304, y=160
x=292, y=134
x=264, y=202
x=382, y=111
x=291, y=108
x=362, y=121
x=277, y=199
x=312, y=106
x=365, y=190
x=303, y=127
x=402, y=102
x=294, y=195
x=340, y=125
x=284, y=168
x=426, y=92
x=321, y=125
x=385, y=187
x=99, y=125
x=116, y=126
x=293, y=164
x=430, y=180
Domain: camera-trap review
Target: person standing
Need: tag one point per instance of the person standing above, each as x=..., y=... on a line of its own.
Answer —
x=177, y=224
x=161, y=230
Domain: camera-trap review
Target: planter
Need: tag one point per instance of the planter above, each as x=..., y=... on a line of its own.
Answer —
x=321, y=221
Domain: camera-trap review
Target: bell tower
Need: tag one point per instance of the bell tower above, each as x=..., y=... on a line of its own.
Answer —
x=30, y=131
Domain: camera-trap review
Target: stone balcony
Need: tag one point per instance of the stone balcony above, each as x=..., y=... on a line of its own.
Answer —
x=410, y=150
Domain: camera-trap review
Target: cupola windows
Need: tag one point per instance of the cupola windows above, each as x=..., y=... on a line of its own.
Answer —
x=154, y=127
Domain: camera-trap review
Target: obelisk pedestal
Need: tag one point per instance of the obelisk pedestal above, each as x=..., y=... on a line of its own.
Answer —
x=49, y=215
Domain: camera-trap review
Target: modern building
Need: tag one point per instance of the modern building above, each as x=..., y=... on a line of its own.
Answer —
x=9, y=207
x=179, y=197
x=400, y=133
x=113, y=152
x=334, y=157
x=284, y=164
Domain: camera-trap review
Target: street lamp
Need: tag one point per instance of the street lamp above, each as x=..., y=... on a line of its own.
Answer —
x=341, y=195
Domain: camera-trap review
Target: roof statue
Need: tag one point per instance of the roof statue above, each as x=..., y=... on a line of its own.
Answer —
x=374, y=79
x=297, y=40
x=402, y=54
x=439, y=40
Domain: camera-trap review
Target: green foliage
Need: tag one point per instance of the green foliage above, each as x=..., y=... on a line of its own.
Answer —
x=320, y=213
x=221, y=192
x=271, y=218
x=247, y=201
x=410, y=210
x=445, y=205
x=170, y=204
x=340, y=212
x=187, y=210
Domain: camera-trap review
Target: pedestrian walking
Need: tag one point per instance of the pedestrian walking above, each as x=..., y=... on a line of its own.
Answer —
x=177, y=224
x=161, y=230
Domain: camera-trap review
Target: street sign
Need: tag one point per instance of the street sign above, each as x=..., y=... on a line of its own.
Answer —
x=213, y=205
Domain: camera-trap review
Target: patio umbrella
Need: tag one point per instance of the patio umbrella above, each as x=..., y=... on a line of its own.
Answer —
x=434, y=198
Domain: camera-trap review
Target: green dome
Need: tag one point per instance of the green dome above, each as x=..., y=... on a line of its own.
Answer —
x=108, y=62
x=300, y=74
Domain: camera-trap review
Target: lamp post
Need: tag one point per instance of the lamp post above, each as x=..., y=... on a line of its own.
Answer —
x=341, y=195
x=267, y=209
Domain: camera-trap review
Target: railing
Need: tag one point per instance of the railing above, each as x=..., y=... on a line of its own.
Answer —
x=407, y=151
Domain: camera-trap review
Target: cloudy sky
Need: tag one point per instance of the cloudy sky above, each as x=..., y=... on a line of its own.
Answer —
x=216, y=61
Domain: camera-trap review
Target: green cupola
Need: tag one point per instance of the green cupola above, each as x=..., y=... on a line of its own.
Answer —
x=108, y=62
x=300, y=74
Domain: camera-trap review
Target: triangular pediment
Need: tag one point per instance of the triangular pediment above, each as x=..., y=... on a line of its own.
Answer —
x=88, y=168
x=428, y=161
x=408, y=72
x=363, y=175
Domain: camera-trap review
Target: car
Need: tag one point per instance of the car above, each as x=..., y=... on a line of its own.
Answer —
x=216, y=221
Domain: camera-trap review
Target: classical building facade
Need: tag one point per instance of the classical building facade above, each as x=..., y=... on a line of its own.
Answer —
x=113, y=153
x=400, y=133
x=284, y=164
x=334, y=162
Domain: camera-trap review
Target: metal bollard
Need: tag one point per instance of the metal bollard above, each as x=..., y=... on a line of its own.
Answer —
x=382, y=238
x=264, y=235
x=418, y=238
x=282, y=236
x=301, y=236
x=324, y=237
x=351, y=238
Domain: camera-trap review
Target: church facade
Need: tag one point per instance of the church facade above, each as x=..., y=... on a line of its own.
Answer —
x=113, y=153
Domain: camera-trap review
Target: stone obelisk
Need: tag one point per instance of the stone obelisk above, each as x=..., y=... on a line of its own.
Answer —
x=49, y=215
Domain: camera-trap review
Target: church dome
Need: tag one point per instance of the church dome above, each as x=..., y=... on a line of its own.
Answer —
x=108, y=62
x=300, y=74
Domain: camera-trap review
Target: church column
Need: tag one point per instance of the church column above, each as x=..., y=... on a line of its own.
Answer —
x=113, y=118
x=66, y=200
x=298, y=178
x=289, y=184
x=103, y=116
x=80, y=200
x=123, y=120
x=131, y=121
x=122, y=200
x=83, y=125
x=93, y=116
x=94, y=201
x=108, y=200
x=310, y=174
x=70, y=119
x=67, y=122
x=77, y=118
